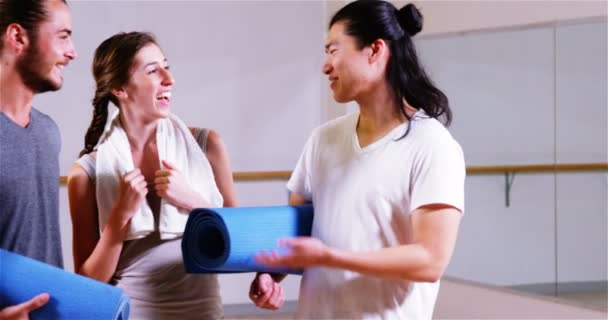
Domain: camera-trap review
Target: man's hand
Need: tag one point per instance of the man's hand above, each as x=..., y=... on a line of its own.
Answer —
x=303, y=252
x=22, y=311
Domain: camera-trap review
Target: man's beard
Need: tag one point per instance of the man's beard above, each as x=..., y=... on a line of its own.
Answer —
x=30, y=67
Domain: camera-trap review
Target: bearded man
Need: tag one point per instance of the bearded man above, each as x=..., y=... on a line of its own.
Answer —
x=35, y=46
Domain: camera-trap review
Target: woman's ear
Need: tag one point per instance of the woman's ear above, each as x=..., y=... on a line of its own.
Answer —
x=119, y=93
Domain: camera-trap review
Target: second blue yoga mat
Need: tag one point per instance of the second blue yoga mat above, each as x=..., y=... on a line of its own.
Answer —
x=72, y=296
x=225, y=240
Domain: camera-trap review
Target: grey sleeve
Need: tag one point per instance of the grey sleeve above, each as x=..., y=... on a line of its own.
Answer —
x=201, y=135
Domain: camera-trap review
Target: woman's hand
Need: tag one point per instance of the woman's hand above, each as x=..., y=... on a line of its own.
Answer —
x=266, y=292
x=171, y=185
x=131, y=193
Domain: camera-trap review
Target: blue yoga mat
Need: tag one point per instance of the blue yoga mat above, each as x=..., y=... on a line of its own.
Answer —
x=72, y=296
x=225, y=240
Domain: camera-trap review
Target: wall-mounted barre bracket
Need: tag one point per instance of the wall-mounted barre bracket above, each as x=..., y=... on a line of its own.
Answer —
x=509, y=177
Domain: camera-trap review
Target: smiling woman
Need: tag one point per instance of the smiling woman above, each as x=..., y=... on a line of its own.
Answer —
x=137, y=179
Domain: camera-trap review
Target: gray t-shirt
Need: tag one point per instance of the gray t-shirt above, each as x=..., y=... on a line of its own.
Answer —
x=29, y=188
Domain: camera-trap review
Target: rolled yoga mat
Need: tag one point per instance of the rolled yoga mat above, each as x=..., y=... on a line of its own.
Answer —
x=72, y=296
x=225, y=240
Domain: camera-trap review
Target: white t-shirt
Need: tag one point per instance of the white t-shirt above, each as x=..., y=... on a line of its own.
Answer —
x=363, y=198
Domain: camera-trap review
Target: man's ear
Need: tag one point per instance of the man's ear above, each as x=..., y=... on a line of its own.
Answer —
x=16, y=37
x=378, y=50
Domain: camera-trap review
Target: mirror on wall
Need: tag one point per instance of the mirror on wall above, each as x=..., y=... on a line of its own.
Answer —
x=532, y=96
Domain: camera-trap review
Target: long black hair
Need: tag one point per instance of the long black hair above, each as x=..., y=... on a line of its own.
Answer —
x=370, y=20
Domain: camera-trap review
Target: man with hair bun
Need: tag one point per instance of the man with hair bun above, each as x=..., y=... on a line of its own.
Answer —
x=386, y=182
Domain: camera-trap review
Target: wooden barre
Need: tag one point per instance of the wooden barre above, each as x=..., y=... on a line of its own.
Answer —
x=538, y=168
x=473, y=170
x=239, y=176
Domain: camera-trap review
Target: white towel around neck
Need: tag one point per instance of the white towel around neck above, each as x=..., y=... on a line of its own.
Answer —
x=175, y=145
